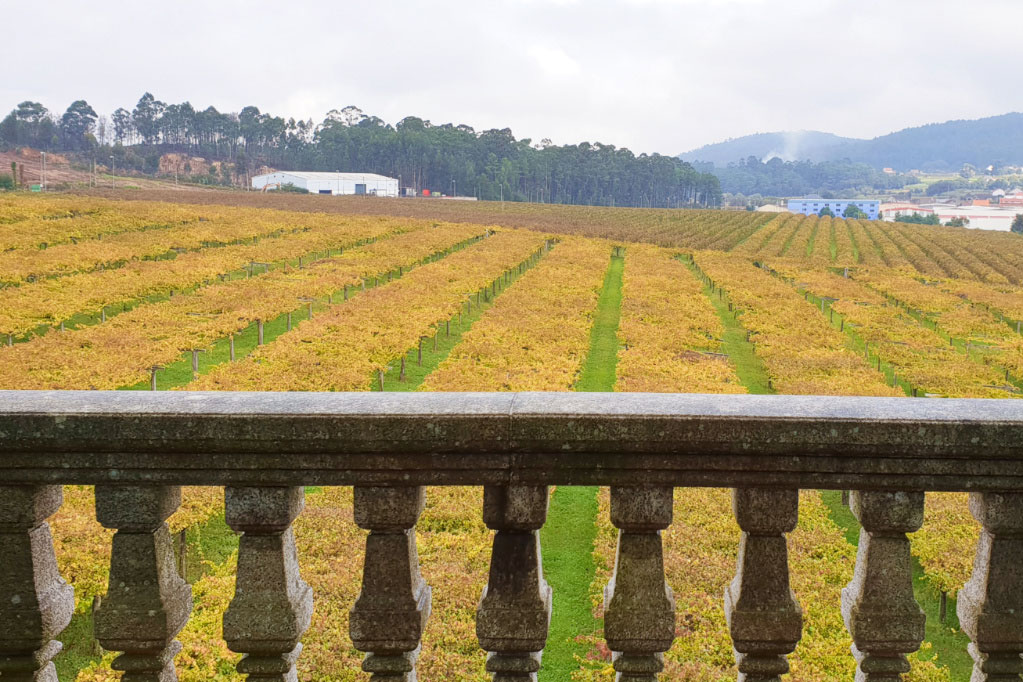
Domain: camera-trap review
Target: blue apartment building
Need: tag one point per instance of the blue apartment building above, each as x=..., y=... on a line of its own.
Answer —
x=813, y=205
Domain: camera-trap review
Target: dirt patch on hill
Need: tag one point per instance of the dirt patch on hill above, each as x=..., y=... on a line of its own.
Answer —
x=62, y=174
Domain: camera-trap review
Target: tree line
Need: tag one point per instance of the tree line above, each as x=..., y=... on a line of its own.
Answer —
x=796, y=178
x=454, y=159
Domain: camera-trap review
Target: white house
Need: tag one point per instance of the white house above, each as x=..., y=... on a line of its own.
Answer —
x=330, y=183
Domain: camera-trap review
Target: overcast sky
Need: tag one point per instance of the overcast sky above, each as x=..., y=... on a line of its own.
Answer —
x=651, y=75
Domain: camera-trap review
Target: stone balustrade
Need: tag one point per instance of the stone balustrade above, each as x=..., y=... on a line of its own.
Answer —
x=139, y=449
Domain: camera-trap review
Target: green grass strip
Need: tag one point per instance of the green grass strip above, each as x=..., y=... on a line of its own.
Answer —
x=567, y=541
x=946, y=639
x=813, y=239
x=568, y=536
x=746, y=363
x=80, y=647
x=598, y=373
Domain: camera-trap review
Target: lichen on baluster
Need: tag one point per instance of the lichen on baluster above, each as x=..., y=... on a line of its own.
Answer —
x=639, y=607
x=514, y=612
x=990, y=605
x=764, y=618
x=36, y=604
x=147, y=603
x=878, y=605
x=272, y=605
x=390, y=614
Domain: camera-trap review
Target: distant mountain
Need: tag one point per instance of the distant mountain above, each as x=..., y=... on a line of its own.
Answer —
x=994, y=140
x=797, y=145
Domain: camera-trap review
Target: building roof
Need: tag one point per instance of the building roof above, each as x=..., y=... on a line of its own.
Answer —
x=321, y=175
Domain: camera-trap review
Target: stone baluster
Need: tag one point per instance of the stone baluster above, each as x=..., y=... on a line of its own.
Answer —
x=35, y=603
x=639, y=607
x=147, y=603
x=763, y=615
x=514, y=613
x=272, y=605
x=991, y=604
x=878, y=605
x=390, y=614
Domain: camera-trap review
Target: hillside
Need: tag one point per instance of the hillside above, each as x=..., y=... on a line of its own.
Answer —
x=945, y=146
x=60, y=174
x=796, y=145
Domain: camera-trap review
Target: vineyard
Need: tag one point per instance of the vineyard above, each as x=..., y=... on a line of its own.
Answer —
x=362, y=295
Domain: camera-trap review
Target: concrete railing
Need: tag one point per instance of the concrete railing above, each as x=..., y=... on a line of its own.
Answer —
x=139, y=448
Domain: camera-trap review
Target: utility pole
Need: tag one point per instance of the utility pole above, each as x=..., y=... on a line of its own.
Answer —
x=111, y=171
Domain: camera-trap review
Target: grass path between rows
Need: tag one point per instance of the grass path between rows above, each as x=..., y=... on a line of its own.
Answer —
x=568, y=536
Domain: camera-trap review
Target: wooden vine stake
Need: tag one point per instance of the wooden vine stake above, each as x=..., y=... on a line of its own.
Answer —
x=152, y=376
x=259, y=330
x=195, y=362
x=380, y=377
x=289, y=321
x=183, y=555
x=401, y=376
x=231, y=339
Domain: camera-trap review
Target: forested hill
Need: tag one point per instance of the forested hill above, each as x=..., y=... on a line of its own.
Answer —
x=788, y=146
x=453, y=159
x=996, y=140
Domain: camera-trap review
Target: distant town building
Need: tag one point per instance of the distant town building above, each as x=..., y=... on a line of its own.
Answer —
x=888, y=171
x=771, y=208
x=1013, y=200
x=977, y=217
x=889, y=211
x=813, y=205
x=329, y=183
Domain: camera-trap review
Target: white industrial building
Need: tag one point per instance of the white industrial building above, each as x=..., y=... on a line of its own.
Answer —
x=329, y=183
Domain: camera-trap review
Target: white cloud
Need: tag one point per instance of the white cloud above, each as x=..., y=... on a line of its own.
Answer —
x=553, y=61
x=652, y=75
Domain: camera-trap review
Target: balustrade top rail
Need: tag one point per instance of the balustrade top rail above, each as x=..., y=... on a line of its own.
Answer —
x=192, y=438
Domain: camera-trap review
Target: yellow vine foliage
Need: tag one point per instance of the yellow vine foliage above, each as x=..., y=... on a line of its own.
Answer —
x=50, y=301
x=30, y=222
x=666, y=325
x=939, y=300
x=536, y=335
x=800, y=350
x=342, y=349
x=21, y=264
x=945, y=542
x=1003, y=300
x=917, y=353
x=119, y=352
